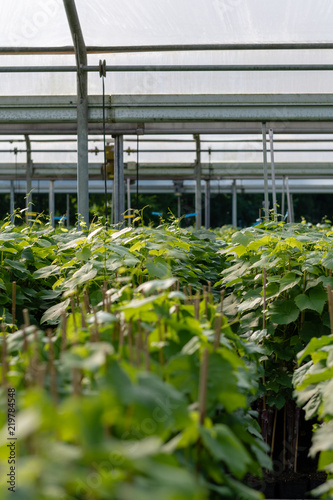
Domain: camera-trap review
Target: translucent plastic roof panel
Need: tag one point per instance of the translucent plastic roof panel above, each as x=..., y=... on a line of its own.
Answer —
x=43, y=23
x=129, y=22
x=34, y=23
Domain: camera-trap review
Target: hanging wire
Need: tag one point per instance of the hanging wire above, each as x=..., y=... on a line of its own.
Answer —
x=137, y=172
x=16, y=183
x=102, y=74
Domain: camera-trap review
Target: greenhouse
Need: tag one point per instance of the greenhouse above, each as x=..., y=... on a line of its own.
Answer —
x=166, y=249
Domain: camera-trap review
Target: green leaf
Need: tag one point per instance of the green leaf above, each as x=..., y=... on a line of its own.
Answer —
x=315, y=300
x=224, y=445
x=45, y=272
x=322, y=439
x=17, y=265
x=327, y=261
x=156, y=285
x=53, y=313
x=288, y=281
x=283, y=312
x=158, y=268
x=314, y=345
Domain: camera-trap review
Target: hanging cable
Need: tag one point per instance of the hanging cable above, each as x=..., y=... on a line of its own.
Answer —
x=102, y=74
x=137, y=172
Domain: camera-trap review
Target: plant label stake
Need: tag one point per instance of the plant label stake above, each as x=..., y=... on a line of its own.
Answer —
x=25, y=340
x=63, y=332
x=205, y=296
x=86, y=301
x=217, y=334
x=196, y=306
x=26, y=317
x=222, y=297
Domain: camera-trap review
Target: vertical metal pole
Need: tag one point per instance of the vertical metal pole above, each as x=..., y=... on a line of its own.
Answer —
x=129, y=208
x=273, y=172
x=197, y=172
x=119, y=181
x=292, y=208
x=283, y=196
x=28, y=180
x=234, y=203
x=288, y=202
x=207, y=204
x=179, y=206
x=82, y=112
x=51, y=202
x=266, y=208
x=12, y=202
x=82, y=156
x=67, y=208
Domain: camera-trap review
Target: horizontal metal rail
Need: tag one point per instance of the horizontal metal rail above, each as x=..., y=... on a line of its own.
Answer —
x=132, y=151
x=170, y=68
x=169, y=48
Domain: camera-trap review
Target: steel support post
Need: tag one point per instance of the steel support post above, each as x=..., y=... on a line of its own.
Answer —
x=197, y=173
x=51, y=202
x=234, y=203
x=273, y=172
x=82, y=112
x=28, y=181
x=283, y=197
x=207, y=204
x=67, y=208
x=12, y=202
x=129, y=207
x=266, y=207
x=289, y=219
x=292, y=219
x=119, y=181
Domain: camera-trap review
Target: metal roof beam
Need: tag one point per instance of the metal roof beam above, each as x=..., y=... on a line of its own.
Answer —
x=168, y=48
x=81, y=109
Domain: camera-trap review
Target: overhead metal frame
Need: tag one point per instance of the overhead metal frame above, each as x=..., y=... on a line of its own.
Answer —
x=173, y=171
x=162, y=114
x=169, y=114
x=81, y=109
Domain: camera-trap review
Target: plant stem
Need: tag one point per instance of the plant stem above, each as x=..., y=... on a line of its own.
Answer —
x=217, y=333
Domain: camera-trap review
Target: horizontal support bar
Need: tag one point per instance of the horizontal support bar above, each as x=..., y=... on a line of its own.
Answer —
x=170, y=68
x=168, y=48
x=171, y=171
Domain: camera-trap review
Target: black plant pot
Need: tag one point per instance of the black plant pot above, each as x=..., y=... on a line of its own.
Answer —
x=292, y=489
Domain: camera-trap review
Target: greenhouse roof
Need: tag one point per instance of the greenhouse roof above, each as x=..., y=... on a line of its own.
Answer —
x=224, y=68
x=41, y=24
